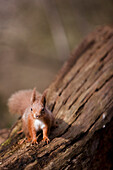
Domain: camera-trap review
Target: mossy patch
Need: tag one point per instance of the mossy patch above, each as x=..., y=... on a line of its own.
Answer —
x=6, y=142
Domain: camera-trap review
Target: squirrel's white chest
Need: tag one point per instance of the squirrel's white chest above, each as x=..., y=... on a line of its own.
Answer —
x=38, y=124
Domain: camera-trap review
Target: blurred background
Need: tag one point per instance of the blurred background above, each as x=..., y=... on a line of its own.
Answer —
x=36, y=37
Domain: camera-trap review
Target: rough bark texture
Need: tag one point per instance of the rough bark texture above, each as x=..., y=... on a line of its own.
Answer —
x=81, y=98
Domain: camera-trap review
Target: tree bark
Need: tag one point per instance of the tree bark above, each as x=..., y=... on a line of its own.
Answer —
x=81, y=98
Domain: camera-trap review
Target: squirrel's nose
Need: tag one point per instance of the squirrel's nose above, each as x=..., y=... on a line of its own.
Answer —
x=36, y=116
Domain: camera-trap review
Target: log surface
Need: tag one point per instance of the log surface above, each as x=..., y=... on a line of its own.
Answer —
x=81, y=98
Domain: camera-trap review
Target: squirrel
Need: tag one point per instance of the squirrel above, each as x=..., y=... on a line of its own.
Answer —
x=30, y=104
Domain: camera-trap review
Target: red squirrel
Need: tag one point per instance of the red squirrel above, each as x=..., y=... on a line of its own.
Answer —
x=35, y=115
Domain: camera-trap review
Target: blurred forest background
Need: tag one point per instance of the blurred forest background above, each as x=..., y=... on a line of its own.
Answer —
x=37, y=36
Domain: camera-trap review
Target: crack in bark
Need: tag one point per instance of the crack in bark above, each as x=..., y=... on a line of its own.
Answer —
x=97, y=89
x=77, y=97
x=72, y=78
x=53, y=106
x=105, y=55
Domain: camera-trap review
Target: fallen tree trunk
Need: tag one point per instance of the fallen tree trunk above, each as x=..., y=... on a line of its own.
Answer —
x=81, y=98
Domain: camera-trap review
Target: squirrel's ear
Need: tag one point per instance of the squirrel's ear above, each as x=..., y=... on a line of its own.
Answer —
x=43, y=99
x=33, y=96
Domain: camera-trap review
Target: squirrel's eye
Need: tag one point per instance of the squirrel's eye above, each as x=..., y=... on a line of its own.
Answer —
x=31, y=109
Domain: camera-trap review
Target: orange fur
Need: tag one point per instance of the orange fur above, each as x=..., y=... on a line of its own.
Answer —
x=31, y=129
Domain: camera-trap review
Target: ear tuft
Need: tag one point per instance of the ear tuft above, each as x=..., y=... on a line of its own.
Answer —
x=33, y=96
x=43, y=99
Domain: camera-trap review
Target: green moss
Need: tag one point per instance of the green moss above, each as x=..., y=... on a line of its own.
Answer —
x=6, y=142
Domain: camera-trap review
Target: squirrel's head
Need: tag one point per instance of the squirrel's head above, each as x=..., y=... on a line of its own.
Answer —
x=38, y=106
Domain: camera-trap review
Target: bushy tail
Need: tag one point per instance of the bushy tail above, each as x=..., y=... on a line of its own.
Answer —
x=20, y=100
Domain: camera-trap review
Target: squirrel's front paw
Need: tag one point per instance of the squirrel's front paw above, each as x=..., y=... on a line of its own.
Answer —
x=34, y=141
x=46, y=139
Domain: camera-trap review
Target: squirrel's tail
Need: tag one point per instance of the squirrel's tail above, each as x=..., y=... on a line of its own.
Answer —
x=20, y=100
